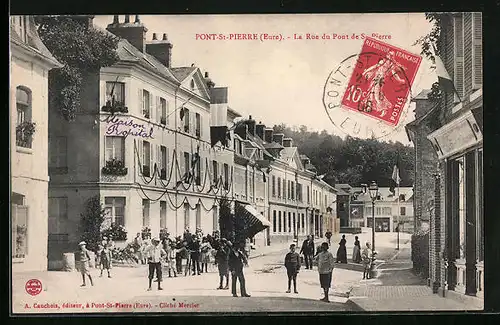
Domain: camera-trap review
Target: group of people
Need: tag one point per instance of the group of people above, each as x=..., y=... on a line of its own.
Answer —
x=364, y=256
x=103, y=258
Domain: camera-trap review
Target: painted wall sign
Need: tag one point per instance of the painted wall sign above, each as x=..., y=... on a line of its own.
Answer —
x=117, y=126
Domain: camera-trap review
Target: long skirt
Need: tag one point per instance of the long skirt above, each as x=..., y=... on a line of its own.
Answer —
x=356, y=255
x=342, y=254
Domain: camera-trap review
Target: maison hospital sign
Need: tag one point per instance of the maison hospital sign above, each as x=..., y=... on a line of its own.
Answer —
x=117, y=126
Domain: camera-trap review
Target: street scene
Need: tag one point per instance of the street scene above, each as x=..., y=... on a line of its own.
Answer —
x=254, y=165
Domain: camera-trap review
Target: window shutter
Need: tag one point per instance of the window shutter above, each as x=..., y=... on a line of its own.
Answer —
x=202, y=168
x=201, y=126
x=477, y=50
x=151, y=157
x=140, y=156
x=458, y=74
x=158, y=158
x=141, y=104
x=168, y=111
x=158, y=109
x=103, y=94
x=151, y=109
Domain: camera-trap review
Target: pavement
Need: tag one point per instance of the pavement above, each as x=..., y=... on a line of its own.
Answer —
x=397, y=288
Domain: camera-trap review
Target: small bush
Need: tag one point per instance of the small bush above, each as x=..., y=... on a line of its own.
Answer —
x=420, y=253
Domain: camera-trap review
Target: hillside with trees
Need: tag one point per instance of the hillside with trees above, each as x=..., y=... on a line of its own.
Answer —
x=352, y=160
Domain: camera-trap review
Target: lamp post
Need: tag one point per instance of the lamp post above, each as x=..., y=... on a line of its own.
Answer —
x=373, y=195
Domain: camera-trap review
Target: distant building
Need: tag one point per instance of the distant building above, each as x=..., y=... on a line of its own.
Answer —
x=30, y=63
x=343, y=203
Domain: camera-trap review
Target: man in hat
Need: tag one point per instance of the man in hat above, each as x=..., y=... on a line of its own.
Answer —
x=326, y=264
x=221, y=258
x=84, y=258
x=236, y=262
x=155, y=254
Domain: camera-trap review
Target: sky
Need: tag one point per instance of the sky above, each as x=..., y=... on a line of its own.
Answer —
x=282, y=81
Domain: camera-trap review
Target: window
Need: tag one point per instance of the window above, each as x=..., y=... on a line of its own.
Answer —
x=24, y=128
x=146, y=96
x=116, y=209
x=198, y=169
x=279, y=221
x=58, y=155
x=198, y=125
x=198, y=215
x=378, y=211
x=163, y=214
x=308, y=195
x=402, y=211
x=146, y=158
x=292, y=190
x=115, y=149
x=164, y=162
x=145, y=213
x=215, y=168
x=274, y=221
x=187, y=167
x=273, y=186
x=186, y=215
x=294, y=223
x=386, y=211
x=477, y=50
x=115, y=93
x=326, y=201
x=163, y=111
x=226, y=177
x=215, y=217
x=252, y=192
x=279, y=187
x=19, y=24
x=19, y=231
x=58, y=207
x=458, y=73
x=284, y=222
x=185, y=119
x=341, y=206
x=289, y=222
x=288, y=187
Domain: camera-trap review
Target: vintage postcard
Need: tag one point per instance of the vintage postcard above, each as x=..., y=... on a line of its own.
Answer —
x=246, y=163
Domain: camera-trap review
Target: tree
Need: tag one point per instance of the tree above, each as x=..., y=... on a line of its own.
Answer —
x=91, y=221
x=81, y=49
x=226, y=223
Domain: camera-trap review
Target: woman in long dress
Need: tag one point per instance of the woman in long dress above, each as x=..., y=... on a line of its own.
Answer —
x=342, y=251
x=356, y=251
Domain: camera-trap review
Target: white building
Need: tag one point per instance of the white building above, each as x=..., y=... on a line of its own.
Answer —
x=30, y=62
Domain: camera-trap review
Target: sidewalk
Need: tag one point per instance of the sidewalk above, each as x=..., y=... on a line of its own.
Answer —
x=397, y=288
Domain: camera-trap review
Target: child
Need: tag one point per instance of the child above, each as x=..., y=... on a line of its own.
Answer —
x=171, y=261
x=205, y=249
x=84, y=259
x=292, y=264
x=104, y=259
x=366, y=259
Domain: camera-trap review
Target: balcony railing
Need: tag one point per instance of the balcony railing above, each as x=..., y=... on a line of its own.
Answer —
x=24, y=134
x=113, y=107
x=114, y=167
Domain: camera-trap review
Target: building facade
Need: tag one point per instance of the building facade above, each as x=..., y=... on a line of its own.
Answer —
x=457, y=233
x=30, y=63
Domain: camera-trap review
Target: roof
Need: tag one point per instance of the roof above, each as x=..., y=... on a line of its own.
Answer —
x=341, y=191
x=273, y=145
x=181, y=73
x=233, y=112
x=287, y=153
x=423, y=94
x=33, y=42
x=388, y=196
x=416, y=122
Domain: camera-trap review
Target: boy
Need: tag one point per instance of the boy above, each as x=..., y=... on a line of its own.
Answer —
x=171, y=260
x=292, y=264
x=84, y=258
x=104, y=259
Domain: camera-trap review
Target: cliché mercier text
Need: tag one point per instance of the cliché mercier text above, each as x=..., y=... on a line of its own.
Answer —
x=264, y=37
x=124, y=127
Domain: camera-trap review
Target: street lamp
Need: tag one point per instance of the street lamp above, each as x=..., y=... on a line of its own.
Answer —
x=373, y=195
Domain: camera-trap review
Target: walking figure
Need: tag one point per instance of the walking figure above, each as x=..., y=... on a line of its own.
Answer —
x=292, y=265
x=84, y=258
x=222, y=260
x=342, y=251
x=308, y=251
x=155, y=254
x=367, y=261
x=356, y=251
x=326, y=264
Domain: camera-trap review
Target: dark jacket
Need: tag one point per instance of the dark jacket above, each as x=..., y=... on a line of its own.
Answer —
x=307, y=247
x=236, y=262
x=292, y=261
x=222, y=255
x=182, y=253
x=194, y=247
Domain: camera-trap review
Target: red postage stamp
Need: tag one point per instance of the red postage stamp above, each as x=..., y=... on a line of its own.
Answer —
x=33, y=287
x=381, y=81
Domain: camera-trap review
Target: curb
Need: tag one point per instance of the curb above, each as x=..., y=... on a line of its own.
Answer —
x=354, y=306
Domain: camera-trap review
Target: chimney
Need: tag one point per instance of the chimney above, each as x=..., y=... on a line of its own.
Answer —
x=268, y=135
x=287, y=142
x=251, y=125
x=135, y=33
x=115, y=20
x=259, y=130
x=161, y=50
x=210, y=84
x=278, y=138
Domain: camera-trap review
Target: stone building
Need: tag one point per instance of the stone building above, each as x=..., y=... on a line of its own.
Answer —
x=30, y=63
x=457, y=233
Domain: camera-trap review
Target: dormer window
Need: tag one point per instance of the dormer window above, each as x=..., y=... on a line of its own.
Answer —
x=19, y=24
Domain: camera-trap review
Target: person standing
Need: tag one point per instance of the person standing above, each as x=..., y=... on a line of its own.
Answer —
x=328, y=236
x=308, y=250
x=155, y=253
x=221, y=258
x=205, y=250
x=84, y=258
x=104, y=260
x=356, y=251
x=366, y=259
x=137, y=245
x=292, y=265
x=236, y=262
x=194, y=250
x=342, y=251
x=171, y=260
x=326, y=264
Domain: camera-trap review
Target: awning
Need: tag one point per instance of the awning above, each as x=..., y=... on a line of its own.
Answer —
x=253, y=221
